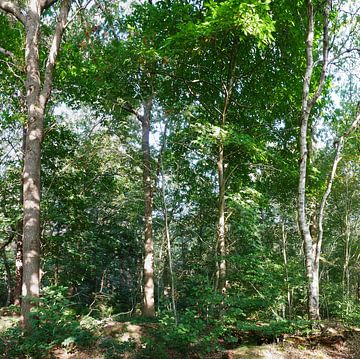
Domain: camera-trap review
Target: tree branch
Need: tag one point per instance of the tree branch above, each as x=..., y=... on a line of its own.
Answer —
x=53, y=53
x=81, y=8
x=45, y=4
x=325, y=62
x=347, y=51
x=12, y=8
x=340, y=144
x=126, y=106
x=6, y=53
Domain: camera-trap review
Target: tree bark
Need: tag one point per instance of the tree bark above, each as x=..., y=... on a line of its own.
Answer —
x=148, y=309
x=31, y=172
x=221, y=228
x=310, y=243
x=284, y=252
x=221, y=283
x=18, y=264
x=37, y=95
x=19, y=238
x=8, y=278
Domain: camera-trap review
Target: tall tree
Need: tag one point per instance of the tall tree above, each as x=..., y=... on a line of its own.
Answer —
x=38, y=90
x=311, y=224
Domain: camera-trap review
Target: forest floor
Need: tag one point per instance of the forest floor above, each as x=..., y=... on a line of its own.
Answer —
x=332, y=342
x=131, y=340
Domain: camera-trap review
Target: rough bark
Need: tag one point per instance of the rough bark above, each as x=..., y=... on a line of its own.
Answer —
x=148, y=309
x=31, y=172
x=37, y=95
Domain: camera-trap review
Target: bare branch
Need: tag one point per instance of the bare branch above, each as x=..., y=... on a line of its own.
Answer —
x=80, y=8
x=12, y=8
x=347, y=51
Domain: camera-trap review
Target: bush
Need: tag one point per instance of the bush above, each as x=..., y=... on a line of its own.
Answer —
x=192, y=334
x=53, y=324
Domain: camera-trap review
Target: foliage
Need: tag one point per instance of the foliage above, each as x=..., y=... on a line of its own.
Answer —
x=190, y=57
x=54, y=324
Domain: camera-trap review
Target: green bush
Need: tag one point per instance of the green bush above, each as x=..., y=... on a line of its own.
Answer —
x=192, y=334
x=53, y=324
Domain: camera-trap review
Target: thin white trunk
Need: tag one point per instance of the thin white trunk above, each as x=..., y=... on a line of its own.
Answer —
x=312, y=271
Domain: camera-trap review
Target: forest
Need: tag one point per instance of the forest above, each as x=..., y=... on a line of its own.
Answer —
x=179, y=179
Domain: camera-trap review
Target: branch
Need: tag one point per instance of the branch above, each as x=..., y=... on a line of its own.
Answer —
x=45, y=4
x=325, y=62
x=126, y=106
x=54, y=50
x=340, y=144
x=343, y=53
x=81, y=8
x=8, y=241
x=12, y=8
x=6, y=53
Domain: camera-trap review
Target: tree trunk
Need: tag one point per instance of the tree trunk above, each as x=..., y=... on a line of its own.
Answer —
x=36, y=100
x=148, y=309
x=221, y=282
x=19, y=238
x=221, y=222
x=31, y=172
x=37, y=96
x=18, y=264
x=312, y=246
x=168, y=242
x=284, y=252
x=8, y=278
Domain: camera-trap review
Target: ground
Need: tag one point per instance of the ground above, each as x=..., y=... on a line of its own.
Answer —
x=131, y=340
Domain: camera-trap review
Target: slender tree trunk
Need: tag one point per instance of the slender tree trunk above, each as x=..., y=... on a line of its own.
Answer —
x=19, y=238
x=284, y=252
x=8, y=278
x=311, y=248
x=221, y=230
x=18, y=265
x=168, y=242
x=148, y=304
x=346, y=268
x=221, y=283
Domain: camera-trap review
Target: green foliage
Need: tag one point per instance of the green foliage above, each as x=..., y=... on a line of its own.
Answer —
x=54, y=324
x=191, y=57
x=193, y=333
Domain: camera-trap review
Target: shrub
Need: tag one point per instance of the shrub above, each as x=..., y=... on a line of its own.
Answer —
x=53, y=324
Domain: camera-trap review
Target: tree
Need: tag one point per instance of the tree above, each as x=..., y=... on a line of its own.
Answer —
x=38, y=90
x=311, y=225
